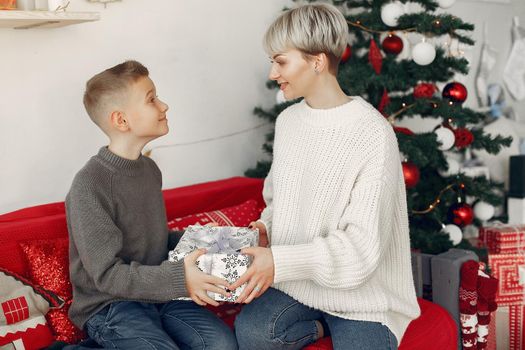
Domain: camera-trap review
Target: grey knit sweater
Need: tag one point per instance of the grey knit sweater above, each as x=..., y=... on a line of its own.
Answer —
x=119, y=236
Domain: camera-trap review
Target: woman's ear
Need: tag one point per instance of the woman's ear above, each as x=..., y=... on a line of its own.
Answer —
x=320, y=62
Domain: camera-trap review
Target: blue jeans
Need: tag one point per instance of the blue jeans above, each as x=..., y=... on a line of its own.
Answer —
x=277, y=321
x=179, y=324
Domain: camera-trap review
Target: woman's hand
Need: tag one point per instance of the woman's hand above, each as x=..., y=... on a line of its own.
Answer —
x=198, y=282
x=259, y=275
x=263, y=235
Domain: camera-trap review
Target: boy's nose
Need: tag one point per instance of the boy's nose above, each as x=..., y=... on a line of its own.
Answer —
x=163, y=106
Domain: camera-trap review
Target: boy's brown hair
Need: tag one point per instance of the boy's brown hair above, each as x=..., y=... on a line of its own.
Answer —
x=108, y=88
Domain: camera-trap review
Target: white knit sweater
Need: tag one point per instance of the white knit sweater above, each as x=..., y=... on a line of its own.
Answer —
x=336, y=214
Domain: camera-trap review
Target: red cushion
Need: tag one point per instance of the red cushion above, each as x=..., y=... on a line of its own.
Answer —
x=434, y=329
x=240, y=215
x=22, y=310
x=48, y=265
x=14, y=232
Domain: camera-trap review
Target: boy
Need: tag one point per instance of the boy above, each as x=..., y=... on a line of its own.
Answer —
x=123, y=286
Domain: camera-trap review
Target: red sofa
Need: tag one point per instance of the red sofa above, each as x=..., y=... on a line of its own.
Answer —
x=434, y=329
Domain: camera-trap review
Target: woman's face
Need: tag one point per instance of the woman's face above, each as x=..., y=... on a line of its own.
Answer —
x=294, y=74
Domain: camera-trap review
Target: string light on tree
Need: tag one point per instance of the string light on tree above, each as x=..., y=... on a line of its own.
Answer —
x=424, y=53
x=390, y=13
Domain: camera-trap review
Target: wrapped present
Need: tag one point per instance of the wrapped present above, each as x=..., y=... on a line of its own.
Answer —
x=503, y=239
x=508, y=325
x=506, y=268
x=223, y=258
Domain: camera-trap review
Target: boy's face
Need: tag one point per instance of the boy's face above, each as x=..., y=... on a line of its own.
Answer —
x=144, y=111
x=294, y=74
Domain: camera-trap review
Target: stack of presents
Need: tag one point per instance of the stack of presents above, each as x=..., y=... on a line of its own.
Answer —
x=505, y=244
x=506, y=259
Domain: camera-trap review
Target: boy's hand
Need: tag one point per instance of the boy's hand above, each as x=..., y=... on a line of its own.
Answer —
x=259, y=275
x=212, y=224
x=263, y=235
x=198, y=282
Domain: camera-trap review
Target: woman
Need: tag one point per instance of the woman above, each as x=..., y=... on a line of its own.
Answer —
x=336, y=216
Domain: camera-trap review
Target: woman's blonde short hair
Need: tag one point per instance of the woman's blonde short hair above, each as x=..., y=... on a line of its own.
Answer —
x=311, y=29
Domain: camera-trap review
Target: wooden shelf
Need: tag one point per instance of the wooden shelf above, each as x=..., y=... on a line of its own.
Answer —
x=44, y=19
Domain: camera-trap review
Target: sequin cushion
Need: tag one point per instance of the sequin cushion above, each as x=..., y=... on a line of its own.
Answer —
x=239, y=215
x=48, y=264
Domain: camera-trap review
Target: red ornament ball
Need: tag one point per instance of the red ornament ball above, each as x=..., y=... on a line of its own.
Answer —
x=346, y=54
x=455, y=92
x=392, y=44
x=424, y=90
x=411, y=174
x=463, y=137
x=461, y=214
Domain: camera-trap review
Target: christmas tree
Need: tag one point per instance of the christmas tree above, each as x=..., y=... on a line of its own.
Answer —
x=401, y=80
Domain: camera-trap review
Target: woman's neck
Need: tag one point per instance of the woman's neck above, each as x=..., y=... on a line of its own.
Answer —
x=326, y=93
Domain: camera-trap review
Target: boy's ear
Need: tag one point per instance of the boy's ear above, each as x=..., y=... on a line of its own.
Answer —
x=118, y=120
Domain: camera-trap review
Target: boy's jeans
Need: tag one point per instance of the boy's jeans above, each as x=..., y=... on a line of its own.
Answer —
x=175, y=325
x=277, y=321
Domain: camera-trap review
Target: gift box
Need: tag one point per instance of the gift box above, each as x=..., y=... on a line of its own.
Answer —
x=506, y=268
x=223, y=258
x=507, y=325
x=507, y=321
x=504, y=239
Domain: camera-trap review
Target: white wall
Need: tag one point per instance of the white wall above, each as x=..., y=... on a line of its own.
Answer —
x=207, y=62
x=205, y=57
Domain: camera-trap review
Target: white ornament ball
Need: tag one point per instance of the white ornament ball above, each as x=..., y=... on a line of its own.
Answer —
x=279, y=97
x=484, y=211
x=453, y=168
x=454, y=232
x=423, y=53
x=445, y=4
x=445, y=137
x=391, y=12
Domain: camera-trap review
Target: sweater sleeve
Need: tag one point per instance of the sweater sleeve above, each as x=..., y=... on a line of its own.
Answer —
x=348, y=256
x=98, y=241
x=267, y=213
